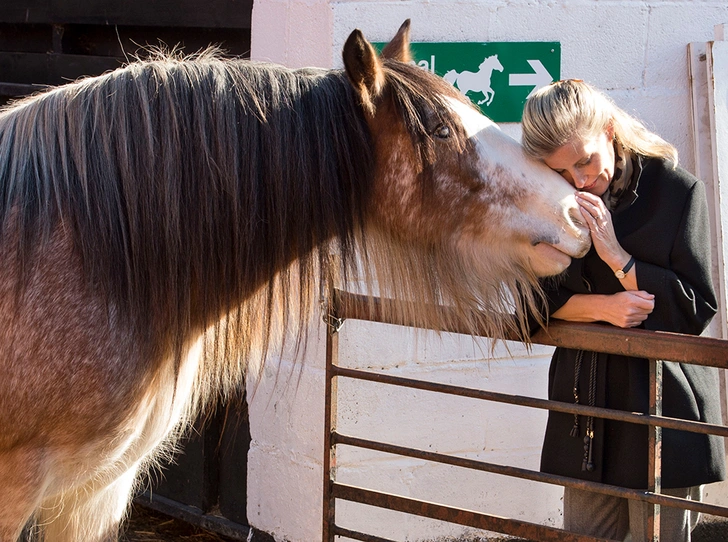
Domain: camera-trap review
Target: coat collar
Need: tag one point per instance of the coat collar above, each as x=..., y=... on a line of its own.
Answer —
x=630, y=195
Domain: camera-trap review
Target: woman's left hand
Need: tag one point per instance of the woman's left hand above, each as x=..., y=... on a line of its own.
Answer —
x=599, y=220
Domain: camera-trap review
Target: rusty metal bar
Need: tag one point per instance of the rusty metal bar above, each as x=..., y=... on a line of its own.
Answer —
x=330, y=408
x=637, y=343
x=535, y=476
x=356, y=535
x=654, y=450
x=571, y=408
x=460, y=516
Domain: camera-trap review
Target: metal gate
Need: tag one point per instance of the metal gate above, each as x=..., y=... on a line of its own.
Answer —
x=655, y=346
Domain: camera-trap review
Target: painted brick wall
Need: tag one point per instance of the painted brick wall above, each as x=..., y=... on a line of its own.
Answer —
x=636, y=50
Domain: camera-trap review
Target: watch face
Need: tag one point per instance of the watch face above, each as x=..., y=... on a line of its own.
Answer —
x=619, y=274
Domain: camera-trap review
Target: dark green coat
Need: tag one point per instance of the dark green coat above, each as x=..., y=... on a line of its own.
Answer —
x=663, y=222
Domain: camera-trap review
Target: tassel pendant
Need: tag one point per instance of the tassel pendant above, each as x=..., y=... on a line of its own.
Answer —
x=575, y=430
x=588, y=464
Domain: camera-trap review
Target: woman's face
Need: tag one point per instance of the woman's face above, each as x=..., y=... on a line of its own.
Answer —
x=588, y=164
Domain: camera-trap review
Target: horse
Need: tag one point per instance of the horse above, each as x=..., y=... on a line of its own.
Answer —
x=478, y=81
x=165, y=223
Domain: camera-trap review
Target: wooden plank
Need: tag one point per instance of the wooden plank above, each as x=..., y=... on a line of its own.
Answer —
x=51, y=69
x=31, y=38
x=98, y=40
x=65, y=68
x=703, y=156
x=717, y=77
x=193, y=515
x=18, y=89
x=25, y=11
x=185, y=13
x=24, y=68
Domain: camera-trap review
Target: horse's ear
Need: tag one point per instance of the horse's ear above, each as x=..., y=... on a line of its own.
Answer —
x=364, y=69
x=399, y=47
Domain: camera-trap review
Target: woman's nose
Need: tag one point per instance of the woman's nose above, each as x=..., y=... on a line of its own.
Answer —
x=578, y=178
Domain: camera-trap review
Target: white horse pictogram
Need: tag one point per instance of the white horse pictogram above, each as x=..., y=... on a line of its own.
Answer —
x=476, y=81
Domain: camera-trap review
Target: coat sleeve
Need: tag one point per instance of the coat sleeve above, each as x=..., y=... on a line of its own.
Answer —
x=556, y=292
x=684, y=297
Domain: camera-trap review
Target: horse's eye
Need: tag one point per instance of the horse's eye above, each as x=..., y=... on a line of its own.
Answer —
x=442, y=131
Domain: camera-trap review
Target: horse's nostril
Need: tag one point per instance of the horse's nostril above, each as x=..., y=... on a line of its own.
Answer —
x=576, y=217
x=545, y=238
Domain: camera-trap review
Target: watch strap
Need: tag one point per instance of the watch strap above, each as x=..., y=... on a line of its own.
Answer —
x=621, y=273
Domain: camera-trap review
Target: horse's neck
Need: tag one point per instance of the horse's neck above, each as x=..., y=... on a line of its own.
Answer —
x=315, y=189
x=487, y=68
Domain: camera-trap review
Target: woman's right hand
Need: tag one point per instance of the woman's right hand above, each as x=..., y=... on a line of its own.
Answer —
x=627, y=309
x=623, y=309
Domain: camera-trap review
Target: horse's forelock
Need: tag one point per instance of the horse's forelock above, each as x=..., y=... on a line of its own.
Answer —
x=420, y=100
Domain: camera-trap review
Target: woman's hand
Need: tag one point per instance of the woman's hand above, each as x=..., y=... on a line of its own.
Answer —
x=601, y=228
x=628, y=309
x=623, y=309
x=599, y=221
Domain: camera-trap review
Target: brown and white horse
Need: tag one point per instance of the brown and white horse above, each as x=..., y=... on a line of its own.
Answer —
x=160, y=223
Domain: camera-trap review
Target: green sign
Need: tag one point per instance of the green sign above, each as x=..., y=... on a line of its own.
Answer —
x=497, y=76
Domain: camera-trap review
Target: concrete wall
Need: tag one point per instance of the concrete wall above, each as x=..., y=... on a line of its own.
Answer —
x=636, y=50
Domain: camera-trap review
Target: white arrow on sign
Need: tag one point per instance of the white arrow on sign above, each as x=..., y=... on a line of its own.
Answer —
x=541, y=77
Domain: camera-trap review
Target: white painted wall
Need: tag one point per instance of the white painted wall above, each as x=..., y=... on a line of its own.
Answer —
x=636, y=50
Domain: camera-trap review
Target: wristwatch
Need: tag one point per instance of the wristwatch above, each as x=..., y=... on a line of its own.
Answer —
x=621, y=273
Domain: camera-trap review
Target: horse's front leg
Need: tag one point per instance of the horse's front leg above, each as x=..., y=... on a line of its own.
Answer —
x=88, y=513
x=22, y=477
x=489, y=95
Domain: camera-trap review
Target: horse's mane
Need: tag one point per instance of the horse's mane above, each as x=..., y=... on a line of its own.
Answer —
x=178, y=177
x=178, y=174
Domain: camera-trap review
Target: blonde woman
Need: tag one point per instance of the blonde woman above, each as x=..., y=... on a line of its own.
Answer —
x=649, y=267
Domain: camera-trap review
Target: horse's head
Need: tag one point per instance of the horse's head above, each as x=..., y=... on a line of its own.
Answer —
x=447, y=179
x=491, y=63
x=497, y=64
x=447, y=174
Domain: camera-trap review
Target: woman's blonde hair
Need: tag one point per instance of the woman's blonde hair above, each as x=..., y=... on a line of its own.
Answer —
x=557, y=113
